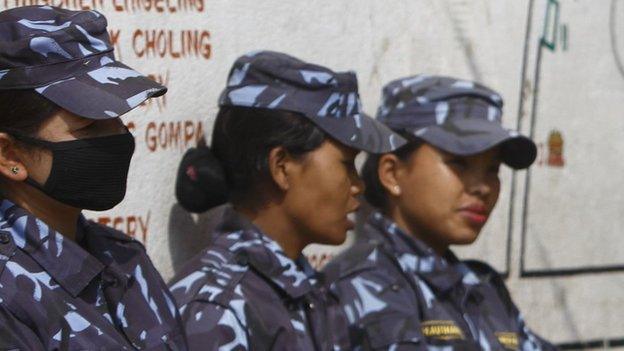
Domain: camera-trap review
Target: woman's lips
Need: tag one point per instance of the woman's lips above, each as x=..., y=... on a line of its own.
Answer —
x=474, y=218
x=475, y=214
x=350, y=224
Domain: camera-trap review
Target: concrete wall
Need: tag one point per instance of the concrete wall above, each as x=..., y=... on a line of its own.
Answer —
x=558, y=64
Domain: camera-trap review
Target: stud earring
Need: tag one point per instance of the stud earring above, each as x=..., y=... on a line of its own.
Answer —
x=14, y=170
x=397, y=190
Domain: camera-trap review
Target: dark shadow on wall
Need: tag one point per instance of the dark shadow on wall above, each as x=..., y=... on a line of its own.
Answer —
x=189, y=234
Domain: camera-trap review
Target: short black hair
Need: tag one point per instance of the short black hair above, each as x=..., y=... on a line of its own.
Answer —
x=375, y=193
x=242, y=139
x=24, y=110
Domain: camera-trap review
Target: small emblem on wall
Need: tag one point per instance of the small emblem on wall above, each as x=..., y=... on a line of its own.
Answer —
x=555, y=149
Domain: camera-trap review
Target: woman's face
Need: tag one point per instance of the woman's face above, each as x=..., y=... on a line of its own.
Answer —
x=64, y=126
x=322, y=192
x=446, y=199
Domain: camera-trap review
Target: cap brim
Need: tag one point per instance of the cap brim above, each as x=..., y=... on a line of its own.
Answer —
x=361, y=132
x=108, y=91
x=470, y=136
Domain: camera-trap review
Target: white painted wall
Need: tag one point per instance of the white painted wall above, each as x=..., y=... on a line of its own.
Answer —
x=573, y=216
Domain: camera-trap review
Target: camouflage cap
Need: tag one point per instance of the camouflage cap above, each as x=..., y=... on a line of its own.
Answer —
x=273, y=80
x=67, y=57
x=459, y=116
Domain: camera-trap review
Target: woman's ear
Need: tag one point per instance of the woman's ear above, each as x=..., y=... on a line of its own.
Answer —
x=389, y=171
x=279, y=162
x=11, y=166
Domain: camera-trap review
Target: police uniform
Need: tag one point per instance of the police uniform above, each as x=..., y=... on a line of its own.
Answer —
x=101, y=291
x=398, y=293
x=243, y=292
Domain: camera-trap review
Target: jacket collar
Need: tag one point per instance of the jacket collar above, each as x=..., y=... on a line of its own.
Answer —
x=417, y=258
x=251, y=246
x=71, y=266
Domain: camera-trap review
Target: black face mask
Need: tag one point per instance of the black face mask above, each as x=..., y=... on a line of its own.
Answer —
x=86, y=173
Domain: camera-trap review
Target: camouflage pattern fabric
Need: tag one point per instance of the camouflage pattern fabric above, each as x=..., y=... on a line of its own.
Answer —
x=435, y=99
x=67, y=57
x=273, y=80
x=459, y=116
x=102, y=293
x=244, y=293
x=399, y=295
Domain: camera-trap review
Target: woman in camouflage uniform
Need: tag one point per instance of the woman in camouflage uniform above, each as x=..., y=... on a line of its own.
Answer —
x=400, y=285
x=283, y=150
x=67, y=283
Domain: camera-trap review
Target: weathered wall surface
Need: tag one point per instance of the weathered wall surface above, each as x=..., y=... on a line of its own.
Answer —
x=558, y=64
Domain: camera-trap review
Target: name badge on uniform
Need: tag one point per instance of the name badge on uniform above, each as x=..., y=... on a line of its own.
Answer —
x=508, y=339
x=440, y=329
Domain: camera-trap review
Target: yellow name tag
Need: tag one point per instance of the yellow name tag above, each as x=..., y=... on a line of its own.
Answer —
x=444, y=330
x=509, y=340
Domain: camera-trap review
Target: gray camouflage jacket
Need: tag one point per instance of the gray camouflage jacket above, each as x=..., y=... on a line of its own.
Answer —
x=102, y=293
x=399, y=295
x=244, y=293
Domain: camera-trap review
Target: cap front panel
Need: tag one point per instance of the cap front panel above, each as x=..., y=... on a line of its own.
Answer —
x=277, y=81
x=67, y=57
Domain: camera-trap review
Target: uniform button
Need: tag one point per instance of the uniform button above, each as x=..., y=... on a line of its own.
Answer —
x=311, y=305
x=395, y=287
x=4, y=238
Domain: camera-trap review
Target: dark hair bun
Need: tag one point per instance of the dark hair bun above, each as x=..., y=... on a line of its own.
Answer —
x=201, y=183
